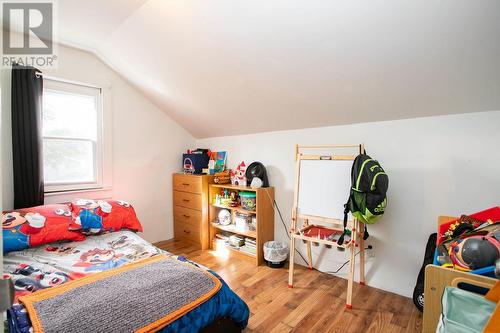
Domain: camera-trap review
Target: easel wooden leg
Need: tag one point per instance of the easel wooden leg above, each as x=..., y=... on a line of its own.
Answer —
x=361, y=254
x=309, y=256
x=293, y=228
x=292, y=262
x=350, y=279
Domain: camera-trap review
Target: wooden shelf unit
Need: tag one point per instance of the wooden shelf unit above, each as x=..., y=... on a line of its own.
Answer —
x=264, y=213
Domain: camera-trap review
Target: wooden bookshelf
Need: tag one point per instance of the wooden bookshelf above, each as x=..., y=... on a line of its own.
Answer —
x=264, y=213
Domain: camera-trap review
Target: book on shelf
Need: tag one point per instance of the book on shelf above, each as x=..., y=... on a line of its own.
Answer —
x=249, y=249
x=220, y=161
x=223, y=236
x=236, y=240
x=249, y=240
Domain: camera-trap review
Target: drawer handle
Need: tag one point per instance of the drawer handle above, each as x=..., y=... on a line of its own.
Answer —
x=185, y=184
x=186, y=216
x=185, y=200
x=187, y=232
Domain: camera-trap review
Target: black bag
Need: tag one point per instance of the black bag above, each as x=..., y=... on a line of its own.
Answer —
x=418, y=292
x=195, y=162
x=368, y=193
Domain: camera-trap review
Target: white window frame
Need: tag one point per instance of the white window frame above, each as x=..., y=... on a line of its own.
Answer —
x=101, y=146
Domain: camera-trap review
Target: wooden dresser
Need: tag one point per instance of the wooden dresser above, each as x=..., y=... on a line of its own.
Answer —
x=190, y=200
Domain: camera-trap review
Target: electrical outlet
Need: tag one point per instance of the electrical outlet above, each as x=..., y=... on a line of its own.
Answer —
x=370, y=251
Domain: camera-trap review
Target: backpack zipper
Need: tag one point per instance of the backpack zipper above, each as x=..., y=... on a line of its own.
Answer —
x=375, y=178
x=362, y=167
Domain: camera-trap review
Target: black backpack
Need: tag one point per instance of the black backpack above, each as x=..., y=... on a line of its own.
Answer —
x=368, y=194
x=418, y=292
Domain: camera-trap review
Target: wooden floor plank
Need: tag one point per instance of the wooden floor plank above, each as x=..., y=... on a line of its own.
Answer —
x=300, y=312
x=381, y=322
x=315, y=304
x=281, y=328
x=321, y=314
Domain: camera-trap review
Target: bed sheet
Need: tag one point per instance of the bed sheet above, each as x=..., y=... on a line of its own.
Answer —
x=54, y=264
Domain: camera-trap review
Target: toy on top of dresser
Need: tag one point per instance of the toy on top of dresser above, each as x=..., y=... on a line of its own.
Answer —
x=238, y=176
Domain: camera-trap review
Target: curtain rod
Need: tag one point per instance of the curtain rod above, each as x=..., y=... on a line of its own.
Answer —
x=78, y=83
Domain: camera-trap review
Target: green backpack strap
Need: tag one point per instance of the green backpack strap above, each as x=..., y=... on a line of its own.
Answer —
x=340, y=241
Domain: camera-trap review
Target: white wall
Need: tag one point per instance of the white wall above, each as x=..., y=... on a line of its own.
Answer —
x=444, y=165
x=146, y=143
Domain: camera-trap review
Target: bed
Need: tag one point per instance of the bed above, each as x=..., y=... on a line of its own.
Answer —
x=56, y=264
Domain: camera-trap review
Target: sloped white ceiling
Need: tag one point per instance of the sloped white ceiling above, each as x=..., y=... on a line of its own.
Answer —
x=223, y=67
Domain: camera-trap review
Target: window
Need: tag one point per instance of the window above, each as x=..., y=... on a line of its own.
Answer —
x=72, y=136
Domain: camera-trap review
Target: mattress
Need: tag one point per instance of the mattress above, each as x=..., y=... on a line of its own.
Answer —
x=54, y=264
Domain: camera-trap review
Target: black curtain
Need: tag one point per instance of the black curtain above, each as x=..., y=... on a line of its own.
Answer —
x=27, y=89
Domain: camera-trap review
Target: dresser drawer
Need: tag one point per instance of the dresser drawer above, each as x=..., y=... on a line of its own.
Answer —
x=188, y=200
x=189, y=216
x=186, y=230
x=187, y=183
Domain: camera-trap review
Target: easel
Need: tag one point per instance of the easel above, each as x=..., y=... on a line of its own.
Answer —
x=335, y=225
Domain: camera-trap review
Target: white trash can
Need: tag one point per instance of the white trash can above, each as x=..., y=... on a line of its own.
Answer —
x=275, y=253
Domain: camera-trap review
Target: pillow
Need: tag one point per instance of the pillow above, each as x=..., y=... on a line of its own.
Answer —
x=35, y=226
x=92, y=217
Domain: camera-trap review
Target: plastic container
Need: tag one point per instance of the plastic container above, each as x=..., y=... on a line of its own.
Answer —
x=241, y=221
x=248, y=200
x=253, y=225
x=275, y=253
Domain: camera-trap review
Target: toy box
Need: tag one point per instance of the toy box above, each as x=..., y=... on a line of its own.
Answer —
x=492, y=214
x=488, y=214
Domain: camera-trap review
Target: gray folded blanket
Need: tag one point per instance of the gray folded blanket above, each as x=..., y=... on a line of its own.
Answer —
x=140, y=297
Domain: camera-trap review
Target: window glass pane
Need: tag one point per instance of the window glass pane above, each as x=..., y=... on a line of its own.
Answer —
x=68, y=161
x=69, y=115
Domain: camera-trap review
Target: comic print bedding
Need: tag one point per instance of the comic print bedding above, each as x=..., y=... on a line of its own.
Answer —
x=35, y=226
x=54, y=264
x=93, y=217
x=31, y=227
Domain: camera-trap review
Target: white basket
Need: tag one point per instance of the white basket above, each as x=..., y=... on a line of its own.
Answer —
x=275, y=251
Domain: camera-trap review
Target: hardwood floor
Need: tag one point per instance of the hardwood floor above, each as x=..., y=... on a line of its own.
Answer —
x=315, y=304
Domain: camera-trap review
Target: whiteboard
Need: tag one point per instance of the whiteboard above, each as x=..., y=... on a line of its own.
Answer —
x=324, y=187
